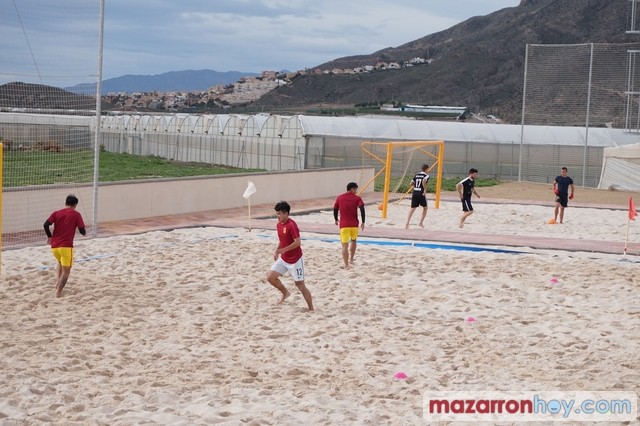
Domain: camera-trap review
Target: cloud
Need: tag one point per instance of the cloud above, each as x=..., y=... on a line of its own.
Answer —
x=156, y=36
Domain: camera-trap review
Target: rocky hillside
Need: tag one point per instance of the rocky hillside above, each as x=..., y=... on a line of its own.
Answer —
x=39, y=96
x=478, y=63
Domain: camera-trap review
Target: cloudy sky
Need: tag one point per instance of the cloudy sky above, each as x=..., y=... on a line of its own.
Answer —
x=46, y=40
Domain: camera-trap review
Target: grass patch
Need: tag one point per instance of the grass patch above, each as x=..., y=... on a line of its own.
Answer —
x=26, y=168
x=117, y=167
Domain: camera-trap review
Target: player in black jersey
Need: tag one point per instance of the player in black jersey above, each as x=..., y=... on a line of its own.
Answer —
x=419, y=195
x=465, y=188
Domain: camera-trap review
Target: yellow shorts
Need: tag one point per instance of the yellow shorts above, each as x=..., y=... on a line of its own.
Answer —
x=348, y=234
x=64, y=255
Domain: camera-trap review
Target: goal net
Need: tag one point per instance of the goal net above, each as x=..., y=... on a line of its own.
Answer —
x=48, y=103
x=581, y=85
x=395, y=164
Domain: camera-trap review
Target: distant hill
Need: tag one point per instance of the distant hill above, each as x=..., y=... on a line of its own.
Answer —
x=173, y=81
x=478, y=63
x=38, y=96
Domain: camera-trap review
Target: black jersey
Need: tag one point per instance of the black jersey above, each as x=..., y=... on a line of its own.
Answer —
x=467, y=186
x=418, y=179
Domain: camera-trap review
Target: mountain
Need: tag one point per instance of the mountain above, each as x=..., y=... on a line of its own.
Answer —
x=38, y=96
x=173, y=81
x=478, y=63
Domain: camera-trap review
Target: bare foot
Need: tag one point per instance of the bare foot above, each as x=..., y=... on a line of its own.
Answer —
x=285, y=296
x=58, y=293
x=421, y=225
x=461, y=225
x=406, y=226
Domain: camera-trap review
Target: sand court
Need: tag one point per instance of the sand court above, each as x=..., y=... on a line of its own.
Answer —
x=180, y=327
x=501, y=219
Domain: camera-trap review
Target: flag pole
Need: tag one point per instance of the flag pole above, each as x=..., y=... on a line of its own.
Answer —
x=251, y=189
x=626, y=238
x=631, y=216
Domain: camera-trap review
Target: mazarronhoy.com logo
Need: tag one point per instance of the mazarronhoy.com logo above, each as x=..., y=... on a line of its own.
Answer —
x=530, y=406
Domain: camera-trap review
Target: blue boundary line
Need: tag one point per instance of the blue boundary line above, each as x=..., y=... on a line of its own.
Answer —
x=380, y=242
x=414, y=244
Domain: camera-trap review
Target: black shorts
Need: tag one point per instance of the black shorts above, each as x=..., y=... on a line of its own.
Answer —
x=562, y=199
x=466, y=205
x=418, y=199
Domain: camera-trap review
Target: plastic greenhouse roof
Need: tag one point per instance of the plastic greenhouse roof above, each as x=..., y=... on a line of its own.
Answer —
x=400, y=129
x=365, y=128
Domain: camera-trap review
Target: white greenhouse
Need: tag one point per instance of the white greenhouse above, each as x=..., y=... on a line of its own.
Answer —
x=274, y=142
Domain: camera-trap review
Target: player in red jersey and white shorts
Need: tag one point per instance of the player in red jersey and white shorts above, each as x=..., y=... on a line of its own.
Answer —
x=288, y=255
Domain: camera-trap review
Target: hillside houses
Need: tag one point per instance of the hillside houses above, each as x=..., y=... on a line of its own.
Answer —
x=380, y=66
x=244, y=91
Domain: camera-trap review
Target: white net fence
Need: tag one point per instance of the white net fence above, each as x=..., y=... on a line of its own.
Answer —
x=49, y=66
x=582, y=85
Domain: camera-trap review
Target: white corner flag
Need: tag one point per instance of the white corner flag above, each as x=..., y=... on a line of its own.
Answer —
x=251, y=189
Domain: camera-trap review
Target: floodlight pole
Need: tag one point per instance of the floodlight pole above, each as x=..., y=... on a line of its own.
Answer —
x=96, y=144
x=524, y=97
x=1, y=166
x=586, y=131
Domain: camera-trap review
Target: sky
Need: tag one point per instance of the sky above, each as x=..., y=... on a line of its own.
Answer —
x=57, y=40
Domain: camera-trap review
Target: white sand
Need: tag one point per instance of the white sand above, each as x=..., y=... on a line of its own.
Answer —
x=181, y=328
x=504, y=219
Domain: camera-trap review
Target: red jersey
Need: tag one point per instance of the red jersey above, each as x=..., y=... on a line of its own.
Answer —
x=348, y=204
x=65, y=221
x=287, y=233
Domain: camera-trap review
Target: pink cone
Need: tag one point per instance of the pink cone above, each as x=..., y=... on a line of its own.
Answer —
x=471, y=319
x=400, y=375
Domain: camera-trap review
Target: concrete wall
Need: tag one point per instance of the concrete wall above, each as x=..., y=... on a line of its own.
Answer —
x=159, y=197
x=133, y=200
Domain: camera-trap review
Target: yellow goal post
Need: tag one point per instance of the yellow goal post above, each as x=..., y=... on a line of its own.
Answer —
x=373, y=149
x=1, y=169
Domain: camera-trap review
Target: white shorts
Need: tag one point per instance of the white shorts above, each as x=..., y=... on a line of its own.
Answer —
x=295, y=269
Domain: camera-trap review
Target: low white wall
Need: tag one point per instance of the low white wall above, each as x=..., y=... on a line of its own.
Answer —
x=160, y=197
x=133, y=200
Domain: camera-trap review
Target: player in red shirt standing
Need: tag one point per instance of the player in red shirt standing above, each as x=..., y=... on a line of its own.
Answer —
x=288, y=255
x=348, y=204
x=65, y=222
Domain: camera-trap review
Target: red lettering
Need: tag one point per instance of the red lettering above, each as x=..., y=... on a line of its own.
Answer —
x=483, y=406
x=526, y=406
x=457, y=406
x=438, y=406
x=512, y=406
x=470, y=409
x=480, y=406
